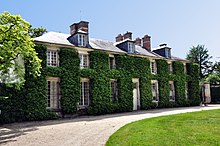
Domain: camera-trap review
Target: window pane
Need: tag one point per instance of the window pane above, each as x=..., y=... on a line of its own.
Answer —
x=86, y=93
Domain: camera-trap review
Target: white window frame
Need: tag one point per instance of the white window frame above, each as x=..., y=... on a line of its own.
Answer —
x=53, y=100
x=113, y=65
x=172, y=91
x=82, y=95
x=156, y=99
x=130, y=47
x=170, y=67
x=84, y=63
x=153, y=67
x=51, y=59
x=115, y=90
x=81, y=40
x=185, y=70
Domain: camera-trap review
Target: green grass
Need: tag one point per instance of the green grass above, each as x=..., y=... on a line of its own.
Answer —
x=190, y=129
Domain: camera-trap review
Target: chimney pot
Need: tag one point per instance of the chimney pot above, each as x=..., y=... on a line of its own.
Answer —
x=138, y=41
x=146, y=42
x=128, y=35
x=82, y=25
x=119, y=38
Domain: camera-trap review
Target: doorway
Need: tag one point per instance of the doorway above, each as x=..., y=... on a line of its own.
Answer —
x=136, y=94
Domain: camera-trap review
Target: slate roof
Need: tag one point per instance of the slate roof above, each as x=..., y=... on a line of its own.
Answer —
x=54, y=38
x=97, y=44
x=104, y=45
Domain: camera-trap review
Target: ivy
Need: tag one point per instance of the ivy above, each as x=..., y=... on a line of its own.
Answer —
x=193, y=83
x=69, y=80
x=29, y=103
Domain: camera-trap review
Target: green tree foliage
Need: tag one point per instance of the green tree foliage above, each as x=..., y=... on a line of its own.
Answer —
x=15, y=44
x=36, y=32
x=200, y=55
x=213, y=78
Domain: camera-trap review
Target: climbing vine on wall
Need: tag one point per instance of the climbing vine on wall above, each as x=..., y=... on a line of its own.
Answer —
x=32, y=98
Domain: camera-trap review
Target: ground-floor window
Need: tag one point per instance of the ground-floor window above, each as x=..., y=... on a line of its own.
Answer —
x=172, y=90
x=187, y=91
x=84, y=98
x=155, y=91
x=114, y=90
x=53, y=93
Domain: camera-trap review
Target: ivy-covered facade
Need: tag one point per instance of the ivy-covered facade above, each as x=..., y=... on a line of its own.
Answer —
x=89, y=76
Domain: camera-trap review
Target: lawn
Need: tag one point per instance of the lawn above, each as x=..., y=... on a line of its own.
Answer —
x=190, y=129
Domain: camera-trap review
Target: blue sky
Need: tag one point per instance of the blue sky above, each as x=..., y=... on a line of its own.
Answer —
x=180, y=24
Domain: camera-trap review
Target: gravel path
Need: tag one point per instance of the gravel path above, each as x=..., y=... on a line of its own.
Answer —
x=83, y=131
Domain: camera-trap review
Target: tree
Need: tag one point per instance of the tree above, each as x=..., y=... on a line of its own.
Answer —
x=36, y=32
x=15, y=45
x=200, y=55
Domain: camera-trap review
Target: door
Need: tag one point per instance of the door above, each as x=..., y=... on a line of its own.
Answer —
x=136, y=98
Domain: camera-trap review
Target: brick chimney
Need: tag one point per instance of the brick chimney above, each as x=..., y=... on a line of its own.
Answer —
x=82, y=25
x=119, y=38
x=138, y=41
x=147, y=42
x=128, y=35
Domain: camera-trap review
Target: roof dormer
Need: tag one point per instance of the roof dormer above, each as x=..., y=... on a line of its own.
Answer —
x=79, y=34
x=125, y=42
x=163, y=50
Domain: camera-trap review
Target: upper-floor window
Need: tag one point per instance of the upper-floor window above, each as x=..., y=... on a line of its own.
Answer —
x=155, y=91
x=167, y=53
x=114, y=90
x=185, y=70
x=153, y=67
x=130, y=47
x=172, y=90
x=112, y=64
x=82, y=40
x=53, y=93
x=84, y=60
x=52, y=57
x=84, y=98
x=170, y=67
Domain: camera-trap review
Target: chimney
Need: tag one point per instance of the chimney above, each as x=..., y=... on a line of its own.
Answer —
x=138, y=41
x=128, y=35
x=146, y=42
x=82, y=25
x=119, y=38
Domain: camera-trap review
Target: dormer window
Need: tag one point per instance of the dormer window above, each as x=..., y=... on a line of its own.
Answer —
x=167, y=53
x=82, y=40
x=130, y=47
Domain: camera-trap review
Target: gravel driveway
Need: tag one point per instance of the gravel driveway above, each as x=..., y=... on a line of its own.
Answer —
x=82, y=131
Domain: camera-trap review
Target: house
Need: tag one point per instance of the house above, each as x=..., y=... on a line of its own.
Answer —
x=99, y=76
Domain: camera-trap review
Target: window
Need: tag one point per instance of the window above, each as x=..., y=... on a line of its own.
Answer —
x=53, y=93
x=84, y=98
x=172, y=90
x=170, y=67
x=81, y=40
x=52, y=58
x=130, y=47
x=84, y=60
x=167, y=53
x=153, y=67
x=114, y=90
x=112, y=62
x=185, y=70
x=155, y=92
